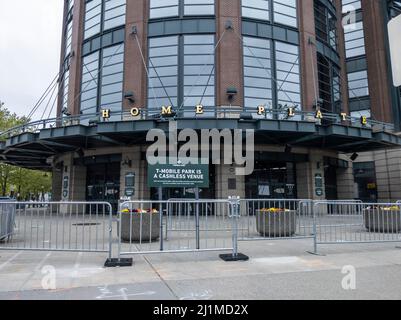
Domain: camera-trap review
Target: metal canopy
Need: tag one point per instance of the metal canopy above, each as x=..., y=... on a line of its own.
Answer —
x=31, y=150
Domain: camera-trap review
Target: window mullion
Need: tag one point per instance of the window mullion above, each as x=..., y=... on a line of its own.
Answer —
x=274, y=77
x=180, y=77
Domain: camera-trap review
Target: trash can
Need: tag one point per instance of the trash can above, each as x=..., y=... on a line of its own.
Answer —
x=7, y=218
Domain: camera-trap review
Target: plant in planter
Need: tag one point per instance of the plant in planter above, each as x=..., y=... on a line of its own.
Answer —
x=140, y=225
x=383, y=219
x=276, y=222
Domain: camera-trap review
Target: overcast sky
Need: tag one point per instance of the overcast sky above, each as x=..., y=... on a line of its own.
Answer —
x=30, y=36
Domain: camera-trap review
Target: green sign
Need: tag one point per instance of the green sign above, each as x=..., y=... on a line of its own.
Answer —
x=178, y=176
x=319, y=192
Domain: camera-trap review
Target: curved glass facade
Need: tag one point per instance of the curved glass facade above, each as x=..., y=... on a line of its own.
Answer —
x=181, y=61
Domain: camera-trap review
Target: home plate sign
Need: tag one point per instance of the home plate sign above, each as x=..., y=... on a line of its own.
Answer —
x=178, y=175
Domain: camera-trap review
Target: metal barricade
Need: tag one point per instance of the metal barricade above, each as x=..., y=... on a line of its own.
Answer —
x=60, y=226
x=275, y=219
x=176, y=226
x=356, y=222
x=7, y=220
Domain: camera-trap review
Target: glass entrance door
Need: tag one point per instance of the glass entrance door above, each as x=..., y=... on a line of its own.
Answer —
x=272, y=180
x=103, y=183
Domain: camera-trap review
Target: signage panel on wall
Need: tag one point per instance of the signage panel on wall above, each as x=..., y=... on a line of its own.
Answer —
x=178, y=176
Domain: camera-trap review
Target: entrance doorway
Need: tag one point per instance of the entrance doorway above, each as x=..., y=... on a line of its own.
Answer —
x=365, y=181
x=272, y=180
x=103, y=183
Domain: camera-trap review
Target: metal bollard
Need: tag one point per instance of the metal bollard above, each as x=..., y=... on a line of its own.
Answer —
x=235, y=213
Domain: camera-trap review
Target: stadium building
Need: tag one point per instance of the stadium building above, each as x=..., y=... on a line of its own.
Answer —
x=312, y=78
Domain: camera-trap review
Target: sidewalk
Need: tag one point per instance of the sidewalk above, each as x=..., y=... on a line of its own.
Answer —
x=276, y=270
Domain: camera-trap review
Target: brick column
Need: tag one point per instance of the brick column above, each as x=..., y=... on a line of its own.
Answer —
x=308, y=60
x=56, y=184
x=62, y=51
x=377, y=62
x=133, y=154
x=135, y=78
x=346, y=184
x=76, y=60
x=223, y=174
x=306, y=177
x=78, y=183
x=229, y=64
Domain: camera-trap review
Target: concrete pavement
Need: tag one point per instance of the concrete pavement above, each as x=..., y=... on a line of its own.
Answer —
x=276, y=270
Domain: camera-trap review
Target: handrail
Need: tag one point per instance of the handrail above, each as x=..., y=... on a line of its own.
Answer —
x=189, y=113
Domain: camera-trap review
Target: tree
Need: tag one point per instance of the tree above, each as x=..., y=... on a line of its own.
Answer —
x=27, y=182
x=9, y=120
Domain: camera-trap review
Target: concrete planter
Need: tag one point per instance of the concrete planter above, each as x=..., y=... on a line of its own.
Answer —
x=382, y=221
x=131, y=230
x=276, y=224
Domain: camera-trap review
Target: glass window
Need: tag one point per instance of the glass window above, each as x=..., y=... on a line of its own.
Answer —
x=112, y=78
x=354, y=39
x=164, y=8
x=67, y=52
x=199, y=71
x=163, y=72
x=325, y=24
x=89, y=83
x=196, y=73
x=256, y=9
x=175, y=8
x=102, y=80
x=70, y=4
x=259, y=70
x=358, y=84
x=65, y=88
x=288, y=75
x=285, y=12
x=68, y=38
x=257, y=73
x=93, y=15
x=198, y=7
x=279, y=11
x=329, y=85
x=114, y=14
x=394, y=7
x=351, y=5
x=111, y=11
